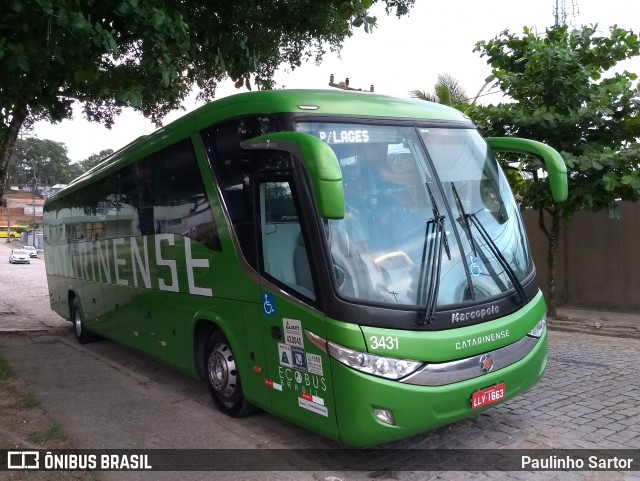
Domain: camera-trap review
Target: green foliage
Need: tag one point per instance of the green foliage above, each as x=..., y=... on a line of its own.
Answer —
x=566, y=95
x=92, y=161
x=447, y=91
x=39, y=161
x=148, y=55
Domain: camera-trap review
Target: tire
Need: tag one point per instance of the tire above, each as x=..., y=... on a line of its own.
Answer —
x=82, y=334
x=223, y=377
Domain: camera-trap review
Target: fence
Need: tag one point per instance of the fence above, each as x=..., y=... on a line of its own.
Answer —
x=597, y=261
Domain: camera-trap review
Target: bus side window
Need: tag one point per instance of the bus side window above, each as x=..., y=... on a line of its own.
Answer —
x=180, y=205
x=136, y=212
x=234, y=169
x=284, y=255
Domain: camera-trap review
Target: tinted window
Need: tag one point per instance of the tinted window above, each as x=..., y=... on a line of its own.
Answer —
x=163, y=193
x=234, y=169
x=180, y=205
x=136, y=213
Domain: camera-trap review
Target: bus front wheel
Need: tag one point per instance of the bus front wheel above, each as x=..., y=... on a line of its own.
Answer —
x=223, y=377
x=82, y=335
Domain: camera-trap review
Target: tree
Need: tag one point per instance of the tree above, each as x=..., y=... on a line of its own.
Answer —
x=93, y=160
x=447, y=91
x=39, y=162
x=562, y=97
x=110, y=54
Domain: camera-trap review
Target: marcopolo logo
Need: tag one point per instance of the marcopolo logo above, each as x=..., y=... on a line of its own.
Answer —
x=475, y=314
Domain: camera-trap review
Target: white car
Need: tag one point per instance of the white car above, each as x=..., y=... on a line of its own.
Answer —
x=19, y=256
x=33, y=252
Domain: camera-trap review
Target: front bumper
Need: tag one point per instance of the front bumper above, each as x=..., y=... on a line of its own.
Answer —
x=419, y=408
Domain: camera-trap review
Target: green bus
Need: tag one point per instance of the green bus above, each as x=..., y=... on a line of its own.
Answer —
x=353, y=263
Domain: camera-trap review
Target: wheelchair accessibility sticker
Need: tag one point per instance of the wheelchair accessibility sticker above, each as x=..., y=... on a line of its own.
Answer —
x=268, y=304
x=475, y=267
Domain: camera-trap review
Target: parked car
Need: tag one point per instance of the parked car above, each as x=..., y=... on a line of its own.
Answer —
x=33, y=252
x=19, y=256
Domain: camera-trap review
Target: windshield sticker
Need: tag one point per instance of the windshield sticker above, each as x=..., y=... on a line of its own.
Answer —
x=293, y=332
x=344, y=136
x=475, y=265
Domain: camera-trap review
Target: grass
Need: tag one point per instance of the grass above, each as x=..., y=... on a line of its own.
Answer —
x=5, y=370
x=27, y=401
x=53, y=432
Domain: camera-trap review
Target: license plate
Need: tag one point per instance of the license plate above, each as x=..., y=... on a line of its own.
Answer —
x=488, y=395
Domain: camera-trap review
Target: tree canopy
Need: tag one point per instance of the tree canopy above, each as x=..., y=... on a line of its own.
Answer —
x=565, y=92
x=92, y=160
x=35, y=162
x=447, y=91
x=148, y=55
x=44, y=162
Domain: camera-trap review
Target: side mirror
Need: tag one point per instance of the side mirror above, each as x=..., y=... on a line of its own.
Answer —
x=554, y=165
x=319, y=161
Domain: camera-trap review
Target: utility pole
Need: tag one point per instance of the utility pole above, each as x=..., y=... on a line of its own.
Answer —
x=560, y=12
x=345, y=85
x=33, y=218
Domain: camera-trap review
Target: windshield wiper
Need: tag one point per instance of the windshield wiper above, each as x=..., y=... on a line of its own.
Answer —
x=432, y=260
x=465, y=219
x=491, y=244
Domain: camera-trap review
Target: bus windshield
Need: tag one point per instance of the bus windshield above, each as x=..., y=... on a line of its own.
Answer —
x=428, y=212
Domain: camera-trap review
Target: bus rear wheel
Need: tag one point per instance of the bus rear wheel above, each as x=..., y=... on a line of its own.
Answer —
x=82, y=335
x=223, y=377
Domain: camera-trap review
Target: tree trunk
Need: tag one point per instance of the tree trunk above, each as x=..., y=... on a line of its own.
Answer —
x=554, y=237
x=8, y=141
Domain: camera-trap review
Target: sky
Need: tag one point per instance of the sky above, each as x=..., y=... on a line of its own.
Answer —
x=438, y=37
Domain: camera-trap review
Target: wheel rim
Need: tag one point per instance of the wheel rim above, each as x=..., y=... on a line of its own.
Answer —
x=77, y=322
x=222, y=371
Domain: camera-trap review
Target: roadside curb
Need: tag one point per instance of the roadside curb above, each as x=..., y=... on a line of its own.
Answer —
x=594, y=327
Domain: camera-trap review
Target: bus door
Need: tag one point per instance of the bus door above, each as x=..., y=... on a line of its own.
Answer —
x=298, y=372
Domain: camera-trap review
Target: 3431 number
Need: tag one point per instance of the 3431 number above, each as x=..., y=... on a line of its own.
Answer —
x=383, y=342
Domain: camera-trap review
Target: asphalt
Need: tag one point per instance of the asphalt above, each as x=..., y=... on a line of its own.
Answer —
x=569, y=319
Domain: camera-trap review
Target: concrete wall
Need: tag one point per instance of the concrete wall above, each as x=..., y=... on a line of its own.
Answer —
x=598, y=259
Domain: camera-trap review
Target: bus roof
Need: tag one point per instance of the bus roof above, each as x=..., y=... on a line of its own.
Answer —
x=326, y=102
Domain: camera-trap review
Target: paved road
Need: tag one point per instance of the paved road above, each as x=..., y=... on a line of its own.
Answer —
x=106, y=396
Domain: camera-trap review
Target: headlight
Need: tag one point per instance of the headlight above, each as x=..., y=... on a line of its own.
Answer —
x=387, y=367
x=538, y=331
